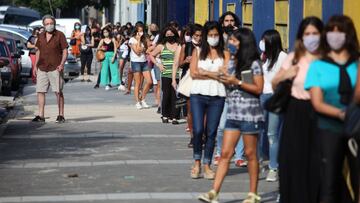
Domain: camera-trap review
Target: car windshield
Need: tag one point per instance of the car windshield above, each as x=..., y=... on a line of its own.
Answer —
x=3, y=52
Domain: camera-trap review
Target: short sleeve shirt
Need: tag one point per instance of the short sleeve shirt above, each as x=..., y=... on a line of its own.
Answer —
x=326, y=76
x=133, y=56
x=51, y=51
x=243, y=106
x=32, y=40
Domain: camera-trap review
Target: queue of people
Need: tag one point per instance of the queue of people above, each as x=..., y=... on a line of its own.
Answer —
x=223, y=80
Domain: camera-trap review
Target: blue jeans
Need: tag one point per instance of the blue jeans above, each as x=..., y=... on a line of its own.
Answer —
x=239, y=149
x=273, y=124
x=139, y=67
x=211, y=107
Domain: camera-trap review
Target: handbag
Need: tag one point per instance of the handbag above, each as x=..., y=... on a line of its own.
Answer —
x=278, y=102
x=352, y=121
x=185, y=84
x=100, y=55
x=73, y=42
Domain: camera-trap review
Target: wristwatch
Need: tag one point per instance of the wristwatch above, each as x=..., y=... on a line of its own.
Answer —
x=240, y=83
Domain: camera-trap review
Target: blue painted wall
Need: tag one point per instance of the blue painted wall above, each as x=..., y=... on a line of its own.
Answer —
x=332, y=7
x=263, y=16
x=295, y=18
x=179, y=11
x=216, y=9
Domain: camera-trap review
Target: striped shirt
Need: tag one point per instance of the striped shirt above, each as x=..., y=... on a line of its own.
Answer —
x=167, y=59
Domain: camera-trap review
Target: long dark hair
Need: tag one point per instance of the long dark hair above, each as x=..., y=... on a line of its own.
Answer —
x=248, y=52
x=185, y=31
x=205, y=47
x=236, y=18
x=108, y=29
x=346, y=25
x=162, y=37
x=88, y=29
x=144, y=36
x=273, y=46
x=299, y=45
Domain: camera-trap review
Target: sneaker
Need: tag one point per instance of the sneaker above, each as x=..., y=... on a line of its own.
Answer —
x=144, y=104
x=60, y=119
x=241, y=163
x=38, y=119
x=138, y=105
x=216, y=160
x=252, y=198
x=272, y=176
x=211, y=197
x=121, y=88
x=107, y=87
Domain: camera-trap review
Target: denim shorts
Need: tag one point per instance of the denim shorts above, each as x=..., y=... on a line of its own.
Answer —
x=245, y=127
x=139, y=67
x=157, y=73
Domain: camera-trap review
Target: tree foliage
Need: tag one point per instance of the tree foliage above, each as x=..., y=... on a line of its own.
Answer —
x=43, y=6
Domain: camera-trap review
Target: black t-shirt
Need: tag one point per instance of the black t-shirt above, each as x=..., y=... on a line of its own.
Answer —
x=32, y=40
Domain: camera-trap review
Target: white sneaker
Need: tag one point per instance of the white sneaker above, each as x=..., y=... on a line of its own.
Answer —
x=121, y=88
x=138, y=105
x=107, y=87
x=211, y=197
x=144, y=104
x=272, y=176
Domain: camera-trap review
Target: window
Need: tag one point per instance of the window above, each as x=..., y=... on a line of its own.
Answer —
x=3, y=52
x=282, y=21
x=247, y=12
x=18, y=19
x=231, y=7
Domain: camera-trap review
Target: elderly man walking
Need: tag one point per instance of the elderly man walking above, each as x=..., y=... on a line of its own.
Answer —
x=50, y=59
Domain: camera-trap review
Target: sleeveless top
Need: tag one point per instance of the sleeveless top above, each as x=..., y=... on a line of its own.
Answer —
x=109, y=47
x=167, y=59
x=209, y=87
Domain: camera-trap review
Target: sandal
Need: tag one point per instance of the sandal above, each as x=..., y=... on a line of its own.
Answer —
x=195, y=172
x=209, y=174
x=252, y=198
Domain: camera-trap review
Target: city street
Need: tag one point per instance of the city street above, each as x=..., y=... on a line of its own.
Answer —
x=107, y=151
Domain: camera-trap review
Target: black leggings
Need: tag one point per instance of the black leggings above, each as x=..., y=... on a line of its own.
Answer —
x=86, y=59
x=168, y=103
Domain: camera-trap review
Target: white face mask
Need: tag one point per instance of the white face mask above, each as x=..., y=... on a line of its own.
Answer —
x=187, y=39
x=213, y=41
x=50, y=28
x=262, y=45
x=311, y=42
x=140, y=34
x=195, y=42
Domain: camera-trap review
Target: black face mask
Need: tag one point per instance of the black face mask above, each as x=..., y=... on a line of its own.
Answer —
x=171, y=39
x=154, y=33
x=229, y=29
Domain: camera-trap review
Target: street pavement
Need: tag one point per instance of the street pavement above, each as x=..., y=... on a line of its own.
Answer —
x=107, y=151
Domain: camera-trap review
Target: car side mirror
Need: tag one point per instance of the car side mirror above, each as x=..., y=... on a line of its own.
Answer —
x=4, y=62
x=16, y=55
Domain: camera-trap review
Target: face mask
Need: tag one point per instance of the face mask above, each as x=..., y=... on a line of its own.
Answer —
x=153, y=33
x=187, y=38
x=229, y=29
x=262, y=45
x=106, y=34
x=336, y=40
x=232, y=49
x=50, y=28
x=195, y=42
x=140, y=34
x=171, y=39
x=311, y=42
x=213, y=41
x=77, y=27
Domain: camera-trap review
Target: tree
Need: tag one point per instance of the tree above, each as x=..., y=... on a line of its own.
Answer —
x=43, y=6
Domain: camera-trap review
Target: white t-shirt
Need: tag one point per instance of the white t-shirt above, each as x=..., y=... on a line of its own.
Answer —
x=269, y=75
x=133, y=56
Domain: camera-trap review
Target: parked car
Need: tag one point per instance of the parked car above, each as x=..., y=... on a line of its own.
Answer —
x=71, y=68
x=18, y=15
x=6, y=73
x=21, y=35
x=15, y=54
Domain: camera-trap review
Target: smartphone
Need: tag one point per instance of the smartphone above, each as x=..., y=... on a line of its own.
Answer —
x=247, y=76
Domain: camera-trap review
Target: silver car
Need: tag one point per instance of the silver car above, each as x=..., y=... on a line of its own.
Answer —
x=71, y=68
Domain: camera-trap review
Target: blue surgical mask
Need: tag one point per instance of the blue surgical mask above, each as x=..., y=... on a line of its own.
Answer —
x=232, y=49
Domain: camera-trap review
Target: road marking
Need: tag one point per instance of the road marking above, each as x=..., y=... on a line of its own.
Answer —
x=70, y=164
x=120, y=196
x=91, y=135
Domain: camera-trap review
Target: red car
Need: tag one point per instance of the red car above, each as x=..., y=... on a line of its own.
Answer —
x=9, y=72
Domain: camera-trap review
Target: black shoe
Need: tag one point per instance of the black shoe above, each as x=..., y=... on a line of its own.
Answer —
x=60, y=119
x=158, y=110
x=122, y=83
x=88, y=80
x=82, y=80
x=96, y=86
x=165, y=120
x=38, y=119
x=175, y=122
x=191, y=145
